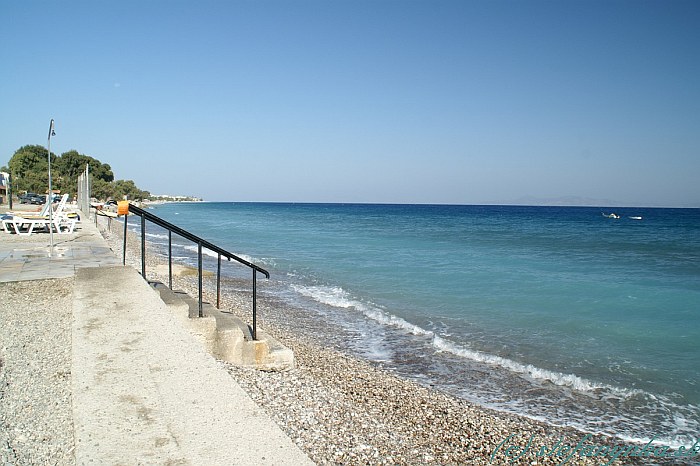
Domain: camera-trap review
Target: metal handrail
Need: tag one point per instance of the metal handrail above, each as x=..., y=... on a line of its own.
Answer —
x=201, y=243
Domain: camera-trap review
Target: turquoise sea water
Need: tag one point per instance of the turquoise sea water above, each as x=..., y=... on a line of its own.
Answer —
x=558, y=313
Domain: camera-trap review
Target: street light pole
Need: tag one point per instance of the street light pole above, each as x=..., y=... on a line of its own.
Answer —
x=49, y=198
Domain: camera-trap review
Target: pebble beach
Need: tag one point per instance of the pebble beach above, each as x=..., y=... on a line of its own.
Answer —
x=337, y=408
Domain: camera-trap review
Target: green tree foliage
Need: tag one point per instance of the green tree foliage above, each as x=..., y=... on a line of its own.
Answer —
x=101, y=189
x=29, y=169
x=117, y=190
x=71, y=164
x=128, y=188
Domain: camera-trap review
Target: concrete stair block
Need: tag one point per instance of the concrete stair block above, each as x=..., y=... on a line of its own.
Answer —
x=226, y=336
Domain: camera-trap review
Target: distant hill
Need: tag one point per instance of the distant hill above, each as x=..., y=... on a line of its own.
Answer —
x=565, y=201
x=578, y=201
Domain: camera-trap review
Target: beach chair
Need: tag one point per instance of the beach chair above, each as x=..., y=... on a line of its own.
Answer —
x=25, y=225
x=66, y=219
x=23, y=213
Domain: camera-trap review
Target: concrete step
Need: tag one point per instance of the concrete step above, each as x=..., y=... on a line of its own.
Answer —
x=146, y=392
x=226, y=336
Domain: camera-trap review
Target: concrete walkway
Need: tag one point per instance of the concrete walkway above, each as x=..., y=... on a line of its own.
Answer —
x=144, y=390
x=31, y=257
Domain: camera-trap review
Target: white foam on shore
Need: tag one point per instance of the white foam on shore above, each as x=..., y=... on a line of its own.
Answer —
x=331, y=295
x=338, y=297
x=557, y=378
x=390, y=319
x=335, y=296
x=156, y=235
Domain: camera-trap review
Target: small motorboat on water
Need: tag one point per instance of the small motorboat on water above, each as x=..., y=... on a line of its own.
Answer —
x=636, y=218
x=610, y=215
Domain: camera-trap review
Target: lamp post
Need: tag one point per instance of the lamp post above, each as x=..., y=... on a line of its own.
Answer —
x=49, y=198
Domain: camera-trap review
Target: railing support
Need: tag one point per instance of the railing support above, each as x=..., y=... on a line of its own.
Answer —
x=218, y=281
x=126, y=219
x=199, y=269
x=170, y=259
x=255, y=294
x=143, y=248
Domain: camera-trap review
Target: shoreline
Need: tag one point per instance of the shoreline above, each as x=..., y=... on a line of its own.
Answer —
x=341, y=409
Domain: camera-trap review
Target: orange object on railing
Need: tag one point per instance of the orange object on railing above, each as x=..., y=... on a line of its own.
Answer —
x=123, y=208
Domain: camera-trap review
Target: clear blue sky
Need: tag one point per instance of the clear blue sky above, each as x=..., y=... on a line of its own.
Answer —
x=364, y=100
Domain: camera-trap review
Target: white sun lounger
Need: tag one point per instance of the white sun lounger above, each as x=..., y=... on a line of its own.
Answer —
x=58, y=219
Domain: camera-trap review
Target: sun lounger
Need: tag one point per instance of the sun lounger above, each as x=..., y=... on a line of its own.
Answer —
x=20, y=224
x=25, y=225
x=42, y=213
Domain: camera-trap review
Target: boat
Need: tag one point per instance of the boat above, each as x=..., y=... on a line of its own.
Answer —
x=610, y=215
x=636, y=218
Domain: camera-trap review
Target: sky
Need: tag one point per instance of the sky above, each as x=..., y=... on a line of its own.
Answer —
x=387, y=101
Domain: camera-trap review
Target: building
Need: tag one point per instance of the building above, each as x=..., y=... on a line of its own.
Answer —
x=4, y=187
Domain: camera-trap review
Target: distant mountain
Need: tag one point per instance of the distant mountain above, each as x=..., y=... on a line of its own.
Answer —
x=564, y=201
x=574, y=201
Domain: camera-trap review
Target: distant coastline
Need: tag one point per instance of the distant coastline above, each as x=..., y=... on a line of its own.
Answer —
x=167, y=198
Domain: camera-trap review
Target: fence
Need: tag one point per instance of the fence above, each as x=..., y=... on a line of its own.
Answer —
x=84, y=191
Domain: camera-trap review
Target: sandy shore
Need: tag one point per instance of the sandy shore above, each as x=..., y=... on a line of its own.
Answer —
x=342, y=410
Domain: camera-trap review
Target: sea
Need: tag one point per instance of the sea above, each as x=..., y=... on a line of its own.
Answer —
x=562, y=314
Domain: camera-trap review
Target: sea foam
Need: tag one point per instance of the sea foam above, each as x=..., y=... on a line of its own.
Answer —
x=338, y=297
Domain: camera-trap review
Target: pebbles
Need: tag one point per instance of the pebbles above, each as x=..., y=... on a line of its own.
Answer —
x=342, y=410
x=36, y=418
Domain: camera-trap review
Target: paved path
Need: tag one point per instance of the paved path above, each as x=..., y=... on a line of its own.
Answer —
x=144, y=390
x=31, y=257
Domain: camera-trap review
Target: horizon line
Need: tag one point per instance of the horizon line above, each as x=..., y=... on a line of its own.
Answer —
x=494, y=204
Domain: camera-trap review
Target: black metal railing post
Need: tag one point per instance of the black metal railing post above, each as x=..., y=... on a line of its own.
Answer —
x=218, y=281
x=143, y=248
x=126, y=217
x=199, y=269
x=255, y=314
x=170, y=259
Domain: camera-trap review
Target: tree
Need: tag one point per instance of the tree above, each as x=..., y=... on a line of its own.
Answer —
x=128, y=188
x=101, y=189
x=71, y=164
x=29, y=167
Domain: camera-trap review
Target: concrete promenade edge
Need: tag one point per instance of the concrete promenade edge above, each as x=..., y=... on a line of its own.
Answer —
x=145, y=391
